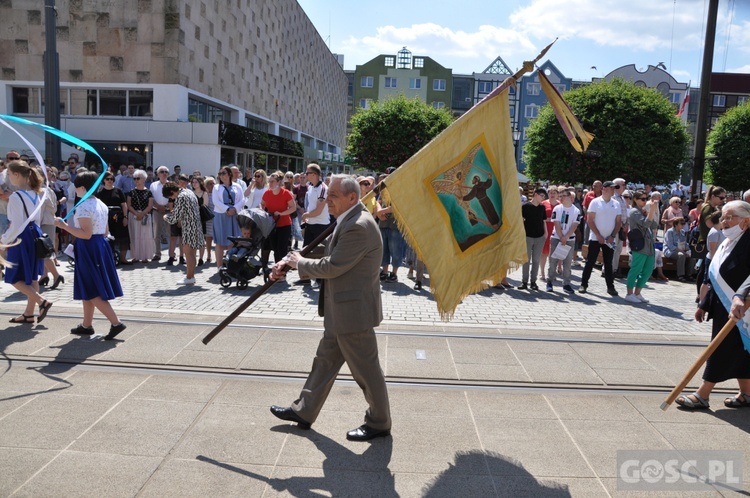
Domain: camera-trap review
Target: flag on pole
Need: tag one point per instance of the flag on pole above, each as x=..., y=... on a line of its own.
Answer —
x=456, y=202
x=578, y=137
x=683, y=111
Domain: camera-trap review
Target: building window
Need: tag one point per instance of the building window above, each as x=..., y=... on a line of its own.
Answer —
x=286, y=133
x=308, y=141
x=675, y=97
x=87, y=102
x=27, y=100
x=531, y=111
x=742, y=99
x=367, y=82
x=256, y=124
x=512, y=112
x=561, y=88
x=438, y=85
x=484, y=86
x=524, y=132
x=390, y=61
x=720, y=101
x=365, y=103
x=390, y=82
x=418, y=62
x=415, y=83
x=438, y=105
x=203, y=112
x=533, y=88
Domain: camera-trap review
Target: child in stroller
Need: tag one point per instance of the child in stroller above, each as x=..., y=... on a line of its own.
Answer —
x=241, y=261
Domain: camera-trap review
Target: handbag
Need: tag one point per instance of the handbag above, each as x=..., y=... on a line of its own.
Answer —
x=44, y=247
x=636, y=241
x=206, y=214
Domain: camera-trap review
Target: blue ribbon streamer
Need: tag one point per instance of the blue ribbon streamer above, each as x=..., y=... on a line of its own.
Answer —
x=69, y=138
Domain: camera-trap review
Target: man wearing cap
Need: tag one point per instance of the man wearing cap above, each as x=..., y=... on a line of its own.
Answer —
x=316, y=211
x=604, y=219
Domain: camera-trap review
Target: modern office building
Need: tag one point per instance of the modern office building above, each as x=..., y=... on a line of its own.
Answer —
x=195, y=83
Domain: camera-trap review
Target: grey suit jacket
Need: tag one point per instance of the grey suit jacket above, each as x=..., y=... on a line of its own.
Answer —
x=351, y=269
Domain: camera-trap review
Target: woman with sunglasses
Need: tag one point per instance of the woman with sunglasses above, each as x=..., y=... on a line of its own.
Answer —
x=141, y=218
x=278, y=202
x=116, y=201
x=641, y=217
x=228, y=201
x=255, y=190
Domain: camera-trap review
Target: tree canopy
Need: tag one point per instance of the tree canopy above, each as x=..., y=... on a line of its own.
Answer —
x=729, y=142
x=638, y=137
x=390, y=132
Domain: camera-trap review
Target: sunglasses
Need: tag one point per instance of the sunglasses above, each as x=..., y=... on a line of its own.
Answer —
x=366, y=184
x=258, y=176
x=626, y=197
x=12, y=158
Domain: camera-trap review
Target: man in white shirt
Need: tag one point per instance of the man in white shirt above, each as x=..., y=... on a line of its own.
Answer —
x=237, y=177
x=161, y=228
x=604, y=219
x=316, y=210
x=565, y=217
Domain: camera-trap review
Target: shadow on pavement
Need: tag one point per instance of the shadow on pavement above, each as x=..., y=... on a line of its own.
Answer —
x=371, y=466
x=511, y=479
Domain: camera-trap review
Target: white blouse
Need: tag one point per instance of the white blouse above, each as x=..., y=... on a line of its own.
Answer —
x=97, y=211
x=17, y=215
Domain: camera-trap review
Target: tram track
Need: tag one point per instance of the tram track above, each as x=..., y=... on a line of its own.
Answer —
x=286, y=376
x=490, y=333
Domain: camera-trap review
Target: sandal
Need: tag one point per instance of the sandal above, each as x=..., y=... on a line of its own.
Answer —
x=742, y=400
x=25, y=319
x=688, y=404
x=43, y=309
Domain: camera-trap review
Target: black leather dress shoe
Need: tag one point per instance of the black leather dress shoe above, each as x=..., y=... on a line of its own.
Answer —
x=290, y=415
x=365, y=433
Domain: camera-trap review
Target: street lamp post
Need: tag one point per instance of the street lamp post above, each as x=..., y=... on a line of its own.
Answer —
x=51, y=84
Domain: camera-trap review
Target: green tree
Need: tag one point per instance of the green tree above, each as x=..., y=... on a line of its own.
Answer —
x=729, y=142
x=638, y=137
x=390, y=132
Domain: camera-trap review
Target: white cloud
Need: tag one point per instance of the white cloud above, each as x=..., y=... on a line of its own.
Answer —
x=480, y=47
x=639, y=24
x=742, y=69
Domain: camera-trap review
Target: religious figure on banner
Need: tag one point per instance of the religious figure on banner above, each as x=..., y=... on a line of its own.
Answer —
x=463, y=202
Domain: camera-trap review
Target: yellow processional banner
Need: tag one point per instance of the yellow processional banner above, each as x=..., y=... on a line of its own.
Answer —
x=457, y=203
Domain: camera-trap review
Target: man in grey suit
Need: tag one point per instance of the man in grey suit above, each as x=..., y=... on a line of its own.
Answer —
x=350, y=292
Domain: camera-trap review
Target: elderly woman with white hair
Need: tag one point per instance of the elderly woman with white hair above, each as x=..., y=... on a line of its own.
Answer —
x=725, y=295
x=140, y=218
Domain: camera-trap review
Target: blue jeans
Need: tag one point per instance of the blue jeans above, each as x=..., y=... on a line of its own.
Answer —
x=393, y=247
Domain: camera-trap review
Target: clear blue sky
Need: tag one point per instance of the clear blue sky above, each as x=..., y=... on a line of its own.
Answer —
x=468, y=35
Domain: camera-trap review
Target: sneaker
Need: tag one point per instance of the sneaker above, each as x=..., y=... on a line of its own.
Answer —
x=523, y=286
x=157, y=257
x=582, y=289
x=392, y=277
x=632, y=298
x=568, y=289
x=418, y=286
x=315, y=285
x=170, y=261
x=383, y=275
x=114, y=330
x=81, y=330
x=612, y=292
x=641, y=298
x=549, y=287
x=533, y=286
x=302, y=281
x=186, y=281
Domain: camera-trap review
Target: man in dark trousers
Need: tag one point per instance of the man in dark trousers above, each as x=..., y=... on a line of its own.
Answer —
x=350, y=297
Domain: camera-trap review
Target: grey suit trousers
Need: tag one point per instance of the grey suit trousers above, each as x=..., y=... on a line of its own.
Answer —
x=359, y=349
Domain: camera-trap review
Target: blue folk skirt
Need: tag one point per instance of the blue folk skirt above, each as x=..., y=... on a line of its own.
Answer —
x=25, y=267
x=95, y=273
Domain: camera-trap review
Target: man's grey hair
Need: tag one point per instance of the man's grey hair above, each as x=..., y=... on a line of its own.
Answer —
x=740, y=209
x=619, y=181
x=746, y=196
x=348, y=184
x=139, y=173
x=162, y=168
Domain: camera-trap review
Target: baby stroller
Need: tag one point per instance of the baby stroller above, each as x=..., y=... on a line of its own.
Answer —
x=246, y=266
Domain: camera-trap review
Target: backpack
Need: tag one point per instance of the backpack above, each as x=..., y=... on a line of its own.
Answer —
x=697, y=249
